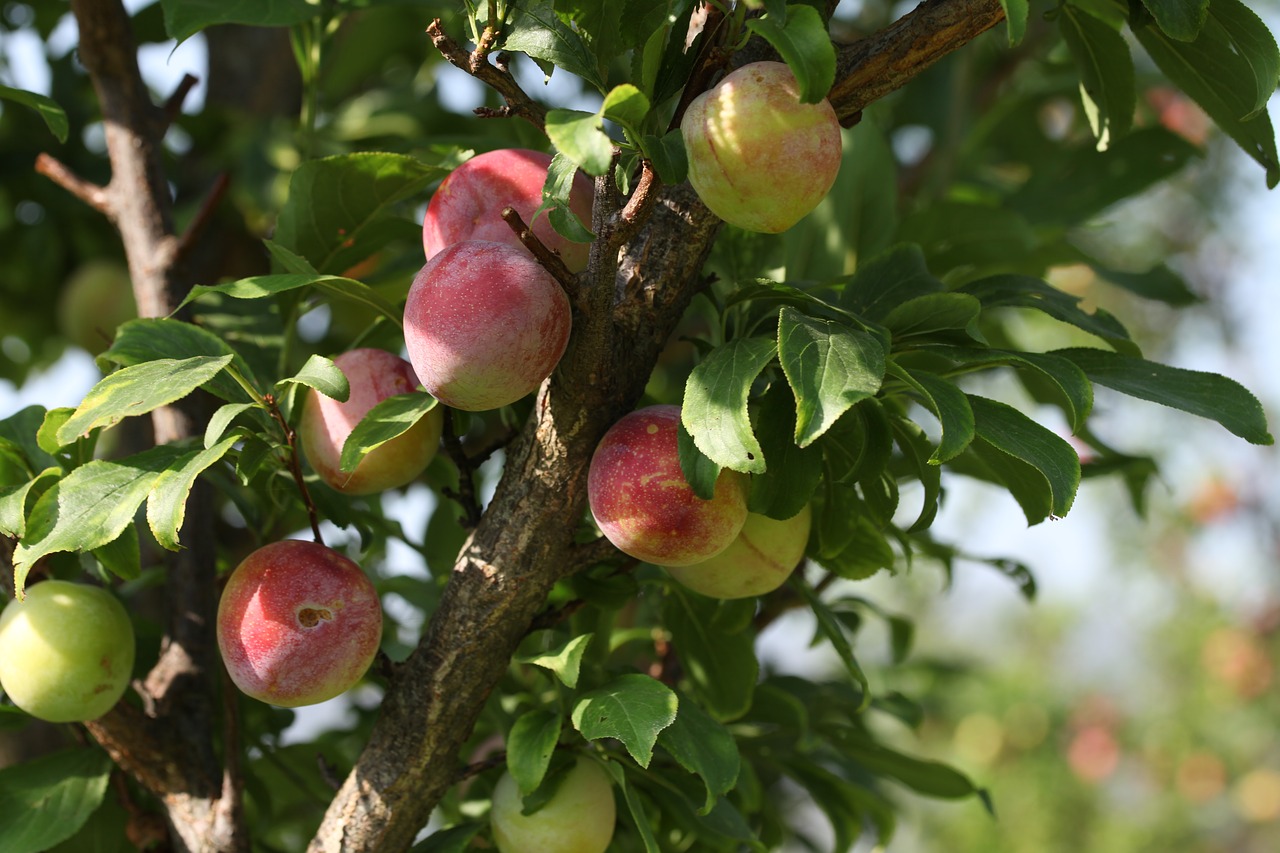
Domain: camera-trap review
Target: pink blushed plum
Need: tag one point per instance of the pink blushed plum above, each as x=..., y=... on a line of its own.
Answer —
x=298, y=623
x=642, y=502
x=373, y=375
x=759, y=560
x=468, y=204
x=758, y=157
x=484, y=324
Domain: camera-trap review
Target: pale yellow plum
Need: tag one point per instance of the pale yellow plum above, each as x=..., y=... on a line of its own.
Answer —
x=96, y=299
x=579, y=818
x=298, y=623
x=468, y=204
x=759, y=561
x=758, y=157
x=484, y=325
x=642, y=502
x=373, y=375
x=66, y=651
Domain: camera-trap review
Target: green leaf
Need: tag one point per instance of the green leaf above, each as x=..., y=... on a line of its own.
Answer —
x=142, y=340
x=89, y=507
x=1015, y=15
x=1011, y=432
x=668, y=155
x=829, y=626
x=222, y=419
x=556, y=192
x=55, y=118
x=830, y=367
x=47, y=800
x=321, y=374
x=802, y=41
x=1250, y=36
x=1181, y=19
x=580, y=137
x=793, y=473
x=47, y=435
x=1159, y=283
x=859, y=445
x=934, y=313
x=139, y=389
x=721, y=665
x=917, y=453
x=21, y=428
x=122, y=556
x=850, y=544
x=537, y=32
x=1106, y=73
x=167, y=503
x=626, y=105
x=1214, y=71
x=1023, y=291
x=1205, y=394
x=887, y=280
x=389, y=419
x=565, y=660
x=258, y=287
x=530, y=744
x=833, y=795
x=338, y=207
x=633, y=708
x=185, y=18
x=641, y=820
x=965, y=238
x=714, y=410
x=699, y=470
x=931, y=778
x=290, y=260
x=705, y=747
x=16, y=501
x=949, y=404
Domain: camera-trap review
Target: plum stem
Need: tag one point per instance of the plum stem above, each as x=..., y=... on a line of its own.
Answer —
x=295, y=467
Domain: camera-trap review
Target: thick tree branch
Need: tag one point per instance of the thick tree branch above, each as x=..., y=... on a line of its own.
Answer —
x=869, y=69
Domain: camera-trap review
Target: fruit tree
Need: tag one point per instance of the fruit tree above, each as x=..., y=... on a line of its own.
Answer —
x=511, y=306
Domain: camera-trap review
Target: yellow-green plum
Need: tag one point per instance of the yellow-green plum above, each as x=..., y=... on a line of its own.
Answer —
x=373, y=375
x=468, y=204
x=758, y=157
x=96, y=299
x=298, y=623
x=66, y=651
x=579, y=818
x=760, y=560
x=642, y=502
x=484, y=324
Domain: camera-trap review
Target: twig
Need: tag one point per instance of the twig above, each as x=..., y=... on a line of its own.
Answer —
x=597, y=551
x=554, y=616
x=173, y=106
x=465, y=495
x=203, y=216
x=478, y=455
x=328, y=773
x=295, y=466
x=90, y=193
x=550, y=261
x=498, y=78
x=497, y=759
x=633, y=215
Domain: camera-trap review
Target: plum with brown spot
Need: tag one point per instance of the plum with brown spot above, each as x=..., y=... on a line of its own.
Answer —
x=484, y=325
x=642, y=502
x=758, y=157
x=468, y=204
x=759, y=560
x=373, y=375
x=298, y=623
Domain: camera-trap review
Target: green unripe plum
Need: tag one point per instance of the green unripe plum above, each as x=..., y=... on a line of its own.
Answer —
x=96, y=299
x=759, y=561
x=758, y=157
x=643, y=504
x=298, y=623
x=67, y=651
x=373, y=375
x=579, y=818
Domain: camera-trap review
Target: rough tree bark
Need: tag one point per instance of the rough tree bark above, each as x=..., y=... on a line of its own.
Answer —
x=636, y=291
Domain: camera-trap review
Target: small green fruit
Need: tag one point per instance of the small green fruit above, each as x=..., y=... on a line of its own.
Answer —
x=96, y=299
x=67, y=651
x=760, y=560
x=579, y=818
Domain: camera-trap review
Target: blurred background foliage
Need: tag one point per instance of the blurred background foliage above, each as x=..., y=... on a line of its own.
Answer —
x=1133, y=705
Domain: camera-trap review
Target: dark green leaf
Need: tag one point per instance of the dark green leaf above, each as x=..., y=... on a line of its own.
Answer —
x=47, y=800
x=580, y=137
x=934, y=313
x=964, y=238
x=887, y=280
x=55, y=118
x=705, y=747
x=633, y=708
x=262, y=286
x=1106, y=73
x=122, y=556
x=1159, y=282
x=1250, y=36
x=641, y=820
x=714, y=410
x=669, y=158
x=455, y=839
x=137, y=390
x=530, y=743
x=143, y=340
x=1015, y=15
x=1022, y=291
x=917, y=452
x=793, y=473
x=830, y=628
x=1011, y=432
x=537, y=32
x=931, y=778
x=167, y=503
x=830, y=367
x=185, y=18
x=699, y=470
x=1181, y=19
x=833, y=795
x=721, y=665
x=948, y=403
x=1205, y=394
x=859, y=445
x=804, y=44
